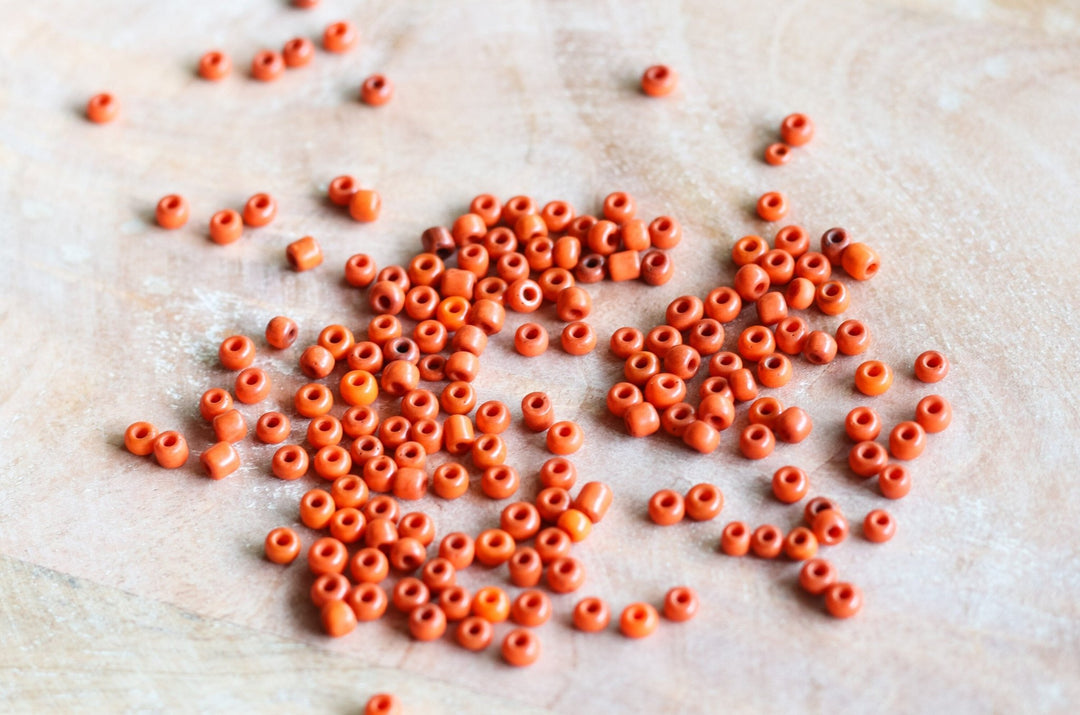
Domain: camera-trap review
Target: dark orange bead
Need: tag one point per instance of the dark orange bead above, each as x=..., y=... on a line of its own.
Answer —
x=521, y=647
x=665, y=232
x=410, y=483
x=722, y=364
x=215, y=65
x=772, y=206
x=565, y=575
x=791, y=335
x=474, y=633
x=139, y=438
x=557, y=215
x=907, y=440
x=347, y=524
x=525, y=567
x=313, y=400
x=349, y=491
x=458, y=434
x=735, y=539
x=407, y=554
x=723, y=304
x=756, y=343
x=867, y=458
x=757, y=442
x=564, y=438
x=331, y=462
x=551, y=502
x=680, y=604
x=638, y=620
x=552, y=543
x=252, y=386
x=298, y=52
x=282, y=545
x=627, y=341
x=327, y=555
x=830, y=527
x=537, y=411
x=748, y=249
x=771, y=308
x=487, y=207
x=843, y=600
x=706, y=336
x=816, y=575
x=766, y=542
x=378, y=470
x=340, y=36
x=267, y=66
x=360, y=270
x=578, y=338
x=657, y=268
x=931, y=366
x=666, y=507
x=663, y=390
x=819, y=348
x=369, y=565
x=521, y=520
x=591, y=615
x=500, y=482
x=751, y=282
x=743, y=385
x=492, y=417
x=800, y=544
x=459, y=549
x=790, y=484
x=368, y=601
x=800, y=292
x=793, y=240
x=376, y=90
x=172, y=211
x=793, y=425
x=852, y=338
x=717, y=410
x=516, y=207
x=894, y=482
x=559, y=472
x=659, y=81
x=531, y=608
x=833, y=243
x=340, y=191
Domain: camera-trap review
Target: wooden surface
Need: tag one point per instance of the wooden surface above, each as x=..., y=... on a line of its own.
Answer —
x=946, y=138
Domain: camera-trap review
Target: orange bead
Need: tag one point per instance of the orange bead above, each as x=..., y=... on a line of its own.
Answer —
x=813, y=267
x=313, y=400
x=399, y=377
x=743, y=385
x=641, y=366
x=933, y=413
x=878, y=526
x=410, y=593
x=259, y=210
x=894, y=482
x=774, y=371
x=659, y=81
x=458, y=398
x=172, y=211
x=717, y=410
x=492, y=417
x=771, y=308
x=578, y=338
x=349, y=491
x=873, y=377
x=723, y=304
x=867, y=458
x=494, y=547
x=324, y=430
x=337, y=340
x=666, y=507
x=790, y=484
x=338, y=618
x=575, y=523
x=641, y=420
x=735, y=539
x=830, y=527
x=368, y=601
x=772, y=206
x=566, y=252
x=706, y=336
x=778, y=265
x=458, y=434
x=700, y=435
x=486, y=207
x=220, y=460
x=763, y=411
x=619, y=207
x=331, y=462
x=376, y=90
x=407, y=554
x=757, y=442
x=298, y=52
x=525, y=567
x=523, y=296
x=215, y=65
x=531, y=608
x=380, y=703
x=474, y=633
x=800, y=292
x=816, y=575
x=139, y=438
x=381, y=532
x=657, y=268
x=552, y=544
x=766, y=542
x=676, y=419
x=102, y=108
x=665, y=232
x=751, y=282
x=565, y=575
x=793, y=425
x=459, y=549
x=573, y=304
x=316, y=362
x=832, y=298
x=267, y=66
x=907, y=440
x=316, y=509
x=170, y=449
x=492, y=604
x=327, y=555
x=833, y=244
x=797, y=129
x=365, y=205
x=500, y=482
x=488, y=450
x=304, y=254
x=843, y=600
x=329, y=587
x=793, y=240
x=521, y=647
x=431, y=368
x=551, y=502
x=537, y=411
x=591, y=615
x=621, y=397
x=704, y=502
x=748, y=249
x=516, y=207
x=819, y=348
x=450, y=480
x=852, y=338
x=521, y=520
x=560, y=472
x=369, y=565
x=800, y=544
x=282, y=545
x=340, y=36
x=638, y=620
x=427, y=622
x=860, y=261
x=722, y=364
x=931, y=366
x=564, y=438
x=226, y=226
x=680, y=604
x=817, y=505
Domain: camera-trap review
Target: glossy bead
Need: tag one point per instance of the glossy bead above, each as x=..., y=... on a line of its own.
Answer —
x=578, y=338
x=170, y=449
x=410, y=593
x=641, y=420
x=743, y=385
x=635, y=236
x=458, y=434
x=551, y=544
x=499, y=482
x=468, y=229
x=793, y=425
x=666, y=507
x=378, y=470
x=657, y=268
x=706, y=336
x=852, y=338
x=800, y=292
x=525, y=567
x=638, y=620
x=764, y=411
x=360, y=269
x=431, y=368
x=376, y=90
x=430, y=336
x=933, y=413
x=791, y=335
x=474, y=633
x=230, y=426
x=494, y=547
x=521, y=647
x=830, y=527
x=419, y=404
x=735, y=539
x=304, y=254
x=366, y=448
x=751, y=282
x=369, y=565
x=219, y=460
x=703, y=502
x=867, y=458
x=538, y=248
x=619, y=207
x=680, y=604
x=316, y=362
x=576, y=525
x=537, y=411
x=226, y=226
x=817, y=505
x=664, y=233
x=819, y=348
x=843, y=600
x=267, y=66
x=338, y=618
x=748, y=249
x=102, y=108
x=793, y=240
x=492, y=604
x=474, y=259
x=774, y=371
x=516, y=207
x=383, y=507
x=459, y=549
x=491, y=288
x=298, y=52
x=833, y=244
x=796, y=129
x=523, y=296
x=778, y=265
x=565, y=575
x=410, y=454
x=139, y=438
x=772, y=206
x=771, y=308
x=365, y=205
x=347, y=524
x=417, y=525
x=816, y=575
x=316, y=509
x=487, y=207
x=879, y=526
x=564, y=438
x=873, y=377
x=756, y=343
x=381, y=532
x=407, y=554
x=907, y=440
x=410, y=483
x=331, y=462
x=172, y=211
x=340, y=191
x=327, y=555
x=290, y=462
x=722, y=364
x=282, y=545
x=800, y=544
x=700, y=435
x=682, y=361
x=790, y=484
x=349, y=491
x=659, y=81
x=766, y=542
x=832, y=298
x=814, y=267
x=260, y=210
x=931, y=366
x=313, y=400
x=591, y=615
x=368, y=601
x=677, y=418
x=566, y=253
x=756, y=442
x=627, y=341
x=215, y=65
x=531, y=608
x=340, y=36
x=551, y=502
x=894, y=481
x=860, y=261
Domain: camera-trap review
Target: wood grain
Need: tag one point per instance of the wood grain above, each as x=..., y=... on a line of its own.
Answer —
x=945, y=139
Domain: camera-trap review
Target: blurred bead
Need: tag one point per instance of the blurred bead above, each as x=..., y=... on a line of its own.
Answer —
x=474, y=633
x=659, y=81
x=215, y=65
x=340, y=37
x=680, y=604
x=907, y=440
x=565, y=575
x=766, y=542
x=656, y=268
x=376, y=90
x=894, y=481
x=703, y=502
x=816, y=575
x=341, y=189
x=800, y=544
x=796, y=129
x=591, y=615
x=843, y=600
x=267, y=66
x=638, y=620
x=933, y=413
x=735, y=539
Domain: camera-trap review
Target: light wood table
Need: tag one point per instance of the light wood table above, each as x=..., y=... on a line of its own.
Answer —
x=947, y=138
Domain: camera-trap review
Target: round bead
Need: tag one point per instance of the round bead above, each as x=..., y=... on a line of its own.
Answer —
x=170, y=449
x=102, y=108
x=879, y=526
x=537, y=411
x=894, y=481
x=492, y=604
x=735, y=539
x=591, y=615
x=933, y=413
x=488, y=450
x=638, y=620
x=907, y=440
x=843, y=600
x=215, y=65
x=565, y=574
x=860, y=261
x=816, y=575
x=790, y=484
x=220, y=460
x=796, y=129
x=139, y=438
x=931, y=366
x=298, y=52
x=777, y=153
x=459, y=549
x=578, y=338
x=474, y=633
x=832, y=298
x=867, y=458
x=793, y=425
x=830, y=527
x=494, y=547
x=852, y=338
x=226, y=226
x=703, y=502
x=368, y=601
x=329, y=587
x=267, y=66
x=774, y=371
x=701, y=435
x=873, y=377
x=680, y=604
x=531, y=608
x=766, y=542
x=657, y=268
x=564, y=438
x=282, y=545
x=410, y=593
x=521, y=647
x=340, y=37
x=666, y=507
x=338, y=619
x=862, y=424
x=575, y=524
x=172, y=211
x=376, y=90
x=492, y=417
x=659, y=81
x=800, y=544
x=772, y=206
x=259, y=210
x=525, y=567
x=833, y=243
x=757, y=442
x=327, y=555
x=641, y=420
x=316, y=508
x=304, y=254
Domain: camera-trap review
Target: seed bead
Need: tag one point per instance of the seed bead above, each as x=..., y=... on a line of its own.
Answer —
x=907, y=440
x=681, y=604
x=304, y=254
x=793, y=425
x=813, y=267
x=797, y=129
x=267, y=65
x=410, y=593
x=777, y=154
x=331, y=462
x=833, y=243
x=931, y=366
x=873, y=378
x=800, y=293
x=360, y=269
x=365, y=205
x=867, y=458
x=575, y=523
x=459, y=549
x=230, y=426
x=102, y=108
x=298, y=52
x=340, y=37
x=860, y=261
x=376, y=90
x=779, y=266
x=894, y=481
x=171, y=449
x=790, y=484
x=666, y=507
x=591, y=615
x=560, y=472
x=641, y=420
x=659, y=81
x=735, y=539
x=638, y=620
x=791, y=335
x=349, y=491
x=764, y=411
x=492, y=604
x=697, y=434
x=578, y=338
x=774, y=371
x=282, y=546
x=800, y=544
x=565, y=575
x=368, y=601
x=531, y=608
x=226, y=227
x=757, y=442
x=340, y=191
x=494, y=547
x=766, y=542
x=259, y=210
x=474, y=633
x=816, y=575
x=338, y=619
x=657, y=268
x=521, y=647
x=772, y=206
x=843, y=600
x=327, y=555
x=751, y=282
x=771, y=308
x=748, y=249
x=139, y=438
x=819, y=348
x=879, y=526
x=487, y=207
x=723, y=304
x=551, y=502
x=852, y=338
x=215, y=65
x=706, y=336
x=704, y=502
x=817, y=505
x=172, y=211
x=933, y=413
x=832, y=298
x=722, y=364
x=743, y=385
x=347, y=524
x=830, y=527
x=718, y=411
x=316, y=508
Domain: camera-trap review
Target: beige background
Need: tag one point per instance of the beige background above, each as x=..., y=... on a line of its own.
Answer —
x=946, y=138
